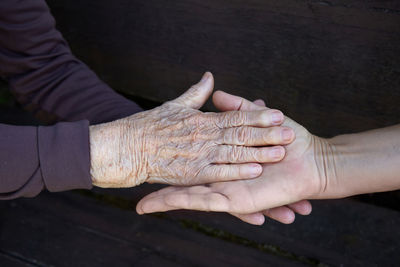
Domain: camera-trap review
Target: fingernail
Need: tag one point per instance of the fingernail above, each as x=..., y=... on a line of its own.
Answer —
x=287, y=135
x=255, y=171
x=277, y=117
x=259, y=102
x=276, y=153
x=205, y=77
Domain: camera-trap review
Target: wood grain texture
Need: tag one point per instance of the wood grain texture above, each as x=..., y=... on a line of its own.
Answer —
x=334, y=66
x=102, y=229
x=78, y=231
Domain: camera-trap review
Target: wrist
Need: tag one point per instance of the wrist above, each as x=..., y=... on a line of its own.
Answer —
x=116, y=156
x=106, y=159
x=347, y=165
x=96, y=136
x=328, y=162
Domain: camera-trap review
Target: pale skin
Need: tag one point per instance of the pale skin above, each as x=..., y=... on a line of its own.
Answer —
x=313, y=168
x=178, y=144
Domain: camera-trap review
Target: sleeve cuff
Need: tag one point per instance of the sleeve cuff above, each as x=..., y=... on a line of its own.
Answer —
x=64, y=156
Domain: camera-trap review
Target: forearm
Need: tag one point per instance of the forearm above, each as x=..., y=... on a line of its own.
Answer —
x=363, y=163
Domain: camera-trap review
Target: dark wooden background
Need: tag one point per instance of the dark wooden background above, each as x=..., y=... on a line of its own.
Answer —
x=333, y=66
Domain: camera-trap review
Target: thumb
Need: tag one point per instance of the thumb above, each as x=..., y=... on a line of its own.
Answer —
x=198, y=94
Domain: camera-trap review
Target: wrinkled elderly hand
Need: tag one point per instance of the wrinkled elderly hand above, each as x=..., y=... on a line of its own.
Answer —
x=180, y=145
x=302, y=174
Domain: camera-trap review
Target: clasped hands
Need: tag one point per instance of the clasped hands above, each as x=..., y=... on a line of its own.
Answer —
x=245, y=160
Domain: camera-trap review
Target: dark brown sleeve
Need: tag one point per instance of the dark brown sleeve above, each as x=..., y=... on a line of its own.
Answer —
x=53, y=157
x=49, y=81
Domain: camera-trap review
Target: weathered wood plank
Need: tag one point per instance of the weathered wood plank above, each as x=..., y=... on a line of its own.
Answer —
x=339, y=232
x=67, y=228
x=74, y=229
x=332, y=65
x=13, y=261
x=40, y=237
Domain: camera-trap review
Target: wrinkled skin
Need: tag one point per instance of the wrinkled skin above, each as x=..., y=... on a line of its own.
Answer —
x=178, y=144
x=300, y=175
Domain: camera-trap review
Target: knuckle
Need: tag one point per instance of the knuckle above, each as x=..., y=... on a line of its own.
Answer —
x=193, y=91
x=195, y=120
x=241, y=135
x=236, y=119
x=257, y=155
x=272, y=136
x=216, y=154
x=220, y=172
x=213, y=120
x=193, y=87
x=217, y=135
x=260, y=118
x=236, y=154
x=276, y=135
x=194, y=135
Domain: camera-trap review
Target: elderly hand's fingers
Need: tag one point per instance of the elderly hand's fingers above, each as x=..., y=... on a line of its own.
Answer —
x=281, y=214
x=260, y=102
x=302, y=207
x=259, y=118
x=242, y=154
x=226, y=102
x=198, y=94
x=256, y=218
x=228, y=172
x=253, y=136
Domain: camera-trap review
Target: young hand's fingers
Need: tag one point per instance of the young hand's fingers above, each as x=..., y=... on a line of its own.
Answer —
x=302, y=207
x=281, y=214
x=243, y=154
x=154, y=202
x=228, y=172
x=258, y=118
x=182, y=198
x=253, y=136
x=260, y=102
x=173, y=198
x=211, y=201
x=256, y=218
x=226, y=102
